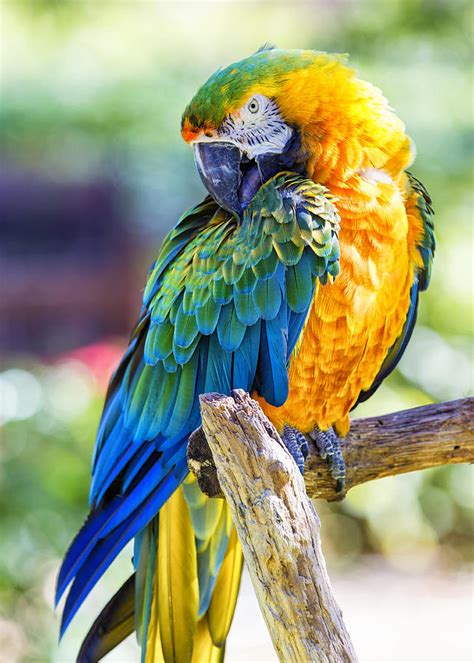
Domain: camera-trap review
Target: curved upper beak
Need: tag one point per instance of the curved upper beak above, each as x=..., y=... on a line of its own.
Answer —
x=218, y=164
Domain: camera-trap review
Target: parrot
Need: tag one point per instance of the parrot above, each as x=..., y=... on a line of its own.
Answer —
x=297, y=280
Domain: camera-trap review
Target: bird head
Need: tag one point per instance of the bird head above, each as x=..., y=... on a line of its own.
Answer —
x=282, y=110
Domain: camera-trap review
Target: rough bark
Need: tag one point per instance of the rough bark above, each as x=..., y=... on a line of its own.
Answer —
x=279, y=531
x=376, y=447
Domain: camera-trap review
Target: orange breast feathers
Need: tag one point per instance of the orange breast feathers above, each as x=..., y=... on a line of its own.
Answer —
x=354, y=320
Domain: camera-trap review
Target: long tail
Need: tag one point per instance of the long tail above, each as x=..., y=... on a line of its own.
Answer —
x=182, y=598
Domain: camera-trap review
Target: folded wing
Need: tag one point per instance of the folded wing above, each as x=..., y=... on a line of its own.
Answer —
x=223, y=308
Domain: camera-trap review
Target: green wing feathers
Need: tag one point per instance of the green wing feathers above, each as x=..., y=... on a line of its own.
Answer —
x=223, y=308
x=222, y=282
x=419, y=198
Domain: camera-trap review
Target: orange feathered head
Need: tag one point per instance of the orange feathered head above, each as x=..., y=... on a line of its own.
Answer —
x=297, y=110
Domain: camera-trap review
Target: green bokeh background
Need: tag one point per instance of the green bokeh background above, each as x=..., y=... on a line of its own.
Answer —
x=99, y=87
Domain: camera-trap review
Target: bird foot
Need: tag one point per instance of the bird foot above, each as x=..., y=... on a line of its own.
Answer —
x=296, y=444
x=329, y=446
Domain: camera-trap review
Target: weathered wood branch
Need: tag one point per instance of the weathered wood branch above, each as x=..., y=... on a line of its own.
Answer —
x=376, y=447
x=278, y=529
x=239, y=454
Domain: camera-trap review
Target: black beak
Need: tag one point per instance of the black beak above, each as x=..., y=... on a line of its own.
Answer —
x=218, y=164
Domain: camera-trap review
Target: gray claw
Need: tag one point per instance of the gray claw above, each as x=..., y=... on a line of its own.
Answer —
x=329, y=447
x=296, y=444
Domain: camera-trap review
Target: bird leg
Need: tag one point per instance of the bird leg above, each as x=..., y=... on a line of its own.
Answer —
x=329, y=446
x=296, y=444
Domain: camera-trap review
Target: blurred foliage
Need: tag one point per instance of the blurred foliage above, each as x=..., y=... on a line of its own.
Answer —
x=99, y=87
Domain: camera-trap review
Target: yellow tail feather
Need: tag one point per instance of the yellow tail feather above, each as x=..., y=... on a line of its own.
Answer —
x=204, y=650
x=154, y=652
x=224, y=597
x=178, y=591
x=175, y=634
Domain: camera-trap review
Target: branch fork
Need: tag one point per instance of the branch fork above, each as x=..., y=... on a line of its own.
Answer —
x=239, y=455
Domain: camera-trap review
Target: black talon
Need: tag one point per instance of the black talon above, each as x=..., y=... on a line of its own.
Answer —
x=296, y=444
x=329, y=447
x=304, y=447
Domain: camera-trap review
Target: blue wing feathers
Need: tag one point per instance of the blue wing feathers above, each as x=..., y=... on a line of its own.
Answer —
x=137, y=462
x=272, y=373
x=183, y=401
x=230, y=330
x=107, y=549
x=218, y=367
x=217, y=331
x=107, y=517
x=80, y=547
x=245, y=359
x=296, y=323
x=109, y=470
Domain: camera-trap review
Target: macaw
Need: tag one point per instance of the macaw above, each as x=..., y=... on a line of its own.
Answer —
x=296, y=279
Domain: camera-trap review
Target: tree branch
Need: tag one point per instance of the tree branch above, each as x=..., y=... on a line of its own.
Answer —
x=278, y=529
x=376, y=447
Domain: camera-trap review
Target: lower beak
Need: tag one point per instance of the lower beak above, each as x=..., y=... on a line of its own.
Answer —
x=218, y=164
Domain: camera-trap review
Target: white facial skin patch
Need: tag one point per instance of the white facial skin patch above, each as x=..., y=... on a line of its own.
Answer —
x=257, y=127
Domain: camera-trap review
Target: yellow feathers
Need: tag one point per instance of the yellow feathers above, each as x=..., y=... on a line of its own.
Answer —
x=205, y=651
x=176, y=634
x=222, y=606
x=345, y=123
x=178, y=591
x=354, y=320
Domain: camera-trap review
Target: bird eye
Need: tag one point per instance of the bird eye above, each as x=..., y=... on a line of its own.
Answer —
x=253, y=105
